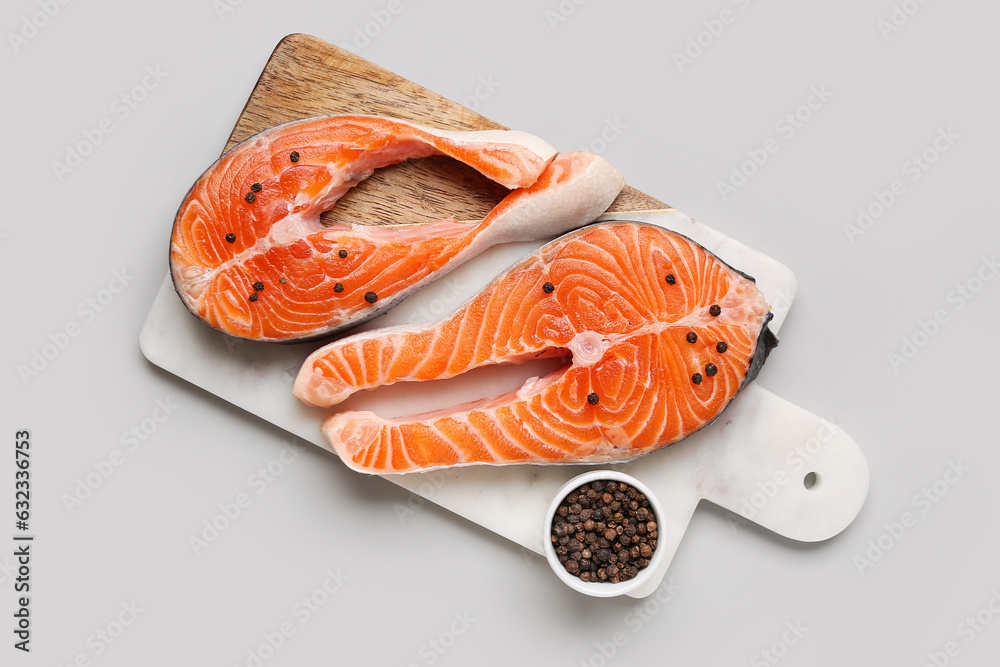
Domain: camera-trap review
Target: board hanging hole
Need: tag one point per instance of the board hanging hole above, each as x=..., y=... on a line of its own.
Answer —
x=810, y=481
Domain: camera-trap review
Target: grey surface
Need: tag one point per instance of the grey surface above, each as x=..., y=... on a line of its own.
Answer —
x=423, y=577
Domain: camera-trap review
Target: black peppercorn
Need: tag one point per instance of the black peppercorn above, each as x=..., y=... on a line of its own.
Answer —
x=606, y=529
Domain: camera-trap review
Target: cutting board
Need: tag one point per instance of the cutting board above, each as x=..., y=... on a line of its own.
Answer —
x=306, y=76
x=765, y=459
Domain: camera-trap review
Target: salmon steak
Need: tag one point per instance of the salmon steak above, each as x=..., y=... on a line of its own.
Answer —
x=659, y=335
x=250, y=257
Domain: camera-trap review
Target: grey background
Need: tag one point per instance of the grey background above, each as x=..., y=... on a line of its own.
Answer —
x=681, y=131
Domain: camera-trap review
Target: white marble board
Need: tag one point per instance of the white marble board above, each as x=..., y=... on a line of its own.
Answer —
x=753, y=460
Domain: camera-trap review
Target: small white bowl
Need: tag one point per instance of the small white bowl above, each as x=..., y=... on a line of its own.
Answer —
x=602, y=589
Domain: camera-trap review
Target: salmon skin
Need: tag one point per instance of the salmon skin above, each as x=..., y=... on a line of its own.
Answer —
x=250, y=257
x=660, y=333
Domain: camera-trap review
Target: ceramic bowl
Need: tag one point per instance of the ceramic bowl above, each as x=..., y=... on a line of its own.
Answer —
x=602, y=589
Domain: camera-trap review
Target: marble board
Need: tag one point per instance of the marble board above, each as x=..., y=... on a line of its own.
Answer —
x=757, y=459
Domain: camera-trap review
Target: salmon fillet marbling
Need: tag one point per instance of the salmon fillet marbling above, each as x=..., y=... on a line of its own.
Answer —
x=659, y=335
x=250, y=257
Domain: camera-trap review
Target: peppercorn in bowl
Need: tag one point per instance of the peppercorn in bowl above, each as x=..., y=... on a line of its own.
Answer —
x=601, y=533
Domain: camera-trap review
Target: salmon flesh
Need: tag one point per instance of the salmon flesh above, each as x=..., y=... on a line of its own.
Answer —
x=659, y=336
x=250, y=257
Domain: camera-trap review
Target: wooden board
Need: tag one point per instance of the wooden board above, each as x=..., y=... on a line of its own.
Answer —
x=306, y=76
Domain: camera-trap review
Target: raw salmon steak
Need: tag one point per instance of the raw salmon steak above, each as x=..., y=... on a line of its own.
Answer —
x=250, y=257
x=660, y=336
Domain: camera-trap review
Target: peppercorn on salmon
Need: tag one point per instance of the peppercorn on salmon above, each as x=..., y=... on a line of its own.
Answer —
x=659, y=336
x=250, y=257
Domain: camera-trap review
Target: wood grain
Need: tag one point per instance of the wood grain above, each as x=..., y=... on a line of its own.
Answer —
x=306, y=76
